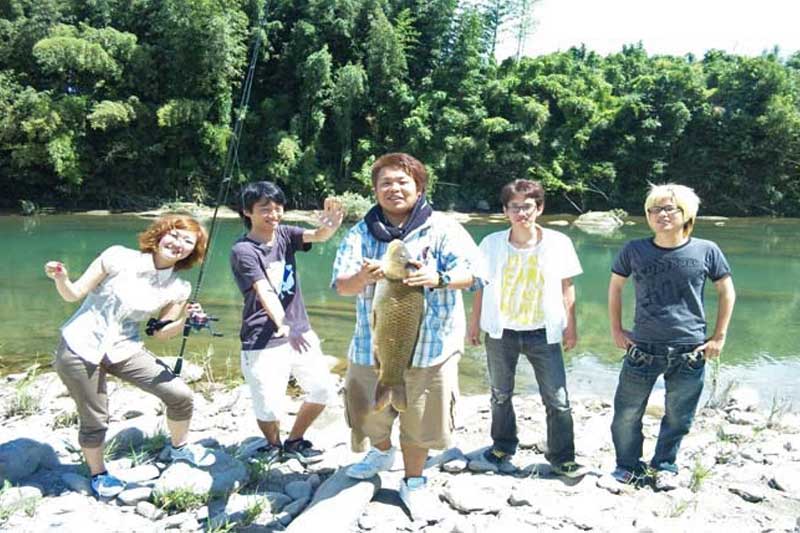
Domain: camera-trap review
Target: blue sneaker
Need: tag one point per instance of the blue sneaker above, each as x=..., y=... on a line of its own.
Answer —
x=106, y=486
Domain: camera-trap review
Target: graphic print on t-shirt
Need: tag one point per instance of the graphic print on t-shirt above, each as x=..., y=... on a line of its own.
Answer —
x=522, y=287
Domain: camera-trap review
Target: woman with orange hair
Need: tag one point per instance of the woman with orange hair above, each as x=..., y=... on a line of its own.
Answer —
x=122, y=288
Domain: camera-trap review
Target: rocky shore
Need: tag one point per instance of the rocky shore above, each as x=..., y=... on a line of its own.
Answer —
x=740, y=471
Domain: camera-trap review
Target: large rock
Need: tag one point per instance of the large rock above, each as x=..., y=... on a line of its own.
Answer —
x=598, y=222
x=337, y=504
x=477, y=494
x=20, y=458
x=226, y=475
x=131, y=433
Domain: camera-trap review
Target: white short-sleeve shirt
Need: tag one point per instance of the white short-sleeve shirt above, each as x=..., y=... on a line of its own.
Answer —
x=557, y=261
x=107, y=323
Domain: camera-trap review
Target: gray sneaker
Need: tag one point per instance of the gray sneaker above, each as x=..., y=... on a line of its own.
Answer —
x=194, y=454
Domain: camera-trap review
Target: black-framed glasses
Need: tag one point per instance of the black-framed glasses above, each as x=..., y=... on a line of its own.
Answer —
x=666, y=209
x=521, y=208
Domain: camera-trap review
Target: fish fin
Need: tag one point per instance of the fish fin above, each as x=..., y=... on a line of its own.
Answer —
x=399, y=401
x=383, y=396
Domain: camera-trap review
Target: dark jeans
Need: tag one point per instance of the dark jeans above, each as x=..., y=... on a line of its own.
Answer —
x=548, y=365
x=683, y=378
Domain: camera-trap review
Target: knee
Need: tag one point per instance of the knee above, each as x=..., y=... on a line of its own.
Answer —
x=556, y=400
x=322, y=394
x=92, y=436
x=180, y=404
x=500, y=396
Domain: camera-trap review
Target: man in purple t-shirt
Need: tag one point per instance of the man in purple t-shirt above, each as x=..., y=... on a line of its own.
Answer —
x=277, y=339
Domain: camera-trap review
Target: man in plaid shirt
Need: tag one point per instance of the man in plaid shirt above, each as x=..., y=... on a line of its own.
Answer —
x=448, y=261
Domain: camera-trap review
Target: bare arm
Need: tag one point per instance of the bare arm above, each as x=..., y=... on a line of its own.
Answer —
x=727, y=297
x=72, y=292
x=351, y=285
x=570, y=337
x=474, y=326
x=176, y=313
x=329, y=221
x=621, y=337
x=272, y=305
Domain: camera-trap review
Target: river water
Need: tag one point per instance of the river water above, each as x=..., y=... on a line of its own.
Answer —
x=762, y=350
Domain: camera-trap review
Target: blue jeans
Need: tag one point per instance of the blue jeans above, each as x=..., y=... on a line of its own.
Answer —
x=548, y=365
x=683, y=378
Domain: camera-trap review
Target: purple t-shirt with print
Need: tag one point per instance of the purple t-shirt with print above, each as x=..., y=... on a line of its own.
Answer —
x=253, y=261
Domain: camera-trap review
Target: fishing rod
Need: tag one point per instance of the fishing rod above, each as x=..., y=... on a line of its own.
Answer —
x=199, y=322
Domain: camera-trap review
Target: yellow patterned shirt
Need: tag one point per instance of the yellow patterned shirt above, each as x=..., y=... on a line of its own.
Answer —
x=522, y=291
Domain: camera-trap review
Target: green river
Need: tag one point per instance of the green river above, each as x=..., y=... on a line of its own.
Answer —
x=762, y=349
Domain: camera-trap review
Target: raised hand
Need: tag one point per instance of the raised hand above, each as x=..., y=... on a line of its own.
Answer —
x=56, y=270
x=332, y=213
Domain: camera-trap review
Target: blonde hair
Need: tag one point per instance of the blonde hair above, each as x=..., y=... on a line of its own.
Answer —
x=149, y=238
x=684, y=197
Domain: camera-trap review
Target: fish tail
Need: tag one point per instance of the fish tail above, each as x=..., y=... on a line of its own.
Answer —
x=383, y=395
x=399, y=401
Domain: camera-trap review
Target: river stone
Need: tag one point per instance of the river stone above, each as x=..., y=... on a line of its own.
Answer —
x=786, y=478
x=748, y=492
x=743, y=418
x=456, y=466
x=470, y=495
x=226, y=475
x=338, y=503
x=139, y=473
x=735, y=433
x=129, y=434
x=17, y=495
x=149, y=511
x=296, y=507
x=558, y=223
x=78, y=483
x=20, y=458
x=298, y=490
x=134, y=495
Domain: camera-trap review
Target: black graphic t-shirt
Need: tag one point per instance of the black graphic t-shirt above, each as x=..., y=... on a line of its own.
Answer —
x=669, y=285
x=252, y=261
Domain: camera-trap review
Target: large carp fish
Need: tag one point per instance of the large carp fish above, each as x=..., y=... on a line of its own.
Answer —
x=397, y=312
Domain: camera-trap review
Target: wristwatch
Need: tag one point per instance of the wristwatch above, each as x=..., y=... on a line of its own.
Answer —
x=444, y=279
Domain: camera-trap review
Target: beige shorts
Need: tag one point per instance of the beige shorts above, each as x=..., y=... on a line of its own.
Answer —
x=427, y=423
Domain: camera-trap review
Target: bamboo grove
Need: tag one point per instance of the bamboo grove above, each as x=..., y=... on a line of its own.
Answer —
x=128, y=103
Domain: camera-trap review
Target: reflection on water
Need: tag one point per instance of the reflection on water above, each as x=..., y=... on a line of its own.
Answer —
x=762, y=346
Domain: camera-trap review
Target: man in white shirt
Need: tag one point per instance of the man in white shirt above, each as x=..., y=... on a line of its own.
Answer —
x=528, y=307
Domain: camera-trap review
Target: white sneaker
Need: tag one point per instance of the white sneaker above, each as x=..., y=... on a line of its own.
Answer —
x=194, y=454
x=419, y=499
x=375, y=461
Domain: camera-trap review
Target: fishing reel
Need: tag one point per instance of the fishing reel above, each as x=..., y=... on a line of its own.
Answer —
x=195, y=321
x=201, y=321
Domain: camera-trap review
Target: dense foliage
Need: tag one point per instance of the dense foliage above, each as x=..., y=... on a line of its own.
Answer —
x=124, y=103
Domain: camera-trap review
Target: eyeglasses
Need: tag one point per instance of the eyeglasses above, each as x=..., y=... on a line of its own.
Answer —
x=522, y=209
x=666, y=209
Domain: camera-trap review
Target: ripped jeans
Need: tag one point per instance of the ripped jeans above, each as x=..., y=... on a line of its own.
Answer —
x=548, y=366
x=683, y=379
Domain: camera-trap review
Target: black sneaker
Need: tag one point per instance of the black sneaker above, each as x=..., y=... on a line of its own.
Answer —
x=496, y=457
x=570, y=469
x=302, y=450
x=270, y=452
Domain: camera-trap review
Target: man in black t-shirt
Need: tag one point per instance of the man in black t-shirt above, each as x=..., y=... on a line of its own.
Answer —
x=669, y=271
x=277, y=339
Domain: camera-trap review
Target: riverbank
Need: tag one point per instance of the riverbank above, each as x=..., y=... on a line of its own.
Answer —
x=741, y=470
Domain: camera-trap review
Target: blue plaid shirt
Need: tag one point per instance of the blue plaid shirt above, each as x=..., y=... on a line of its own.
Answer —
x=440, y=239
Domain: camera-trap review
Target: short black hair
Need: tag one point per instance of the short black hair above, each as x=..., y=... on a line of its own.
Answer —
x=257, y=191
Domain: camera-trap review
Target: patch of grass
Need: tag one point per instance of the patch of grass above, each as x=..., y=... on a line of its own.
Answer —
x=225, y=527
x=26, y=505
x=679, y=508
x=149, y=449
x=24, y=402
x=700, y=473
x=111, y=450
x=779, y=407
x=65, y=419
x=180, y=500
x=253, y=512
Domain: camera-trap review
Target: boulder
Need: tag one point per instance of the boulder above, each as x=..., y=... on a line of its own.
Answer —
x=20, y=458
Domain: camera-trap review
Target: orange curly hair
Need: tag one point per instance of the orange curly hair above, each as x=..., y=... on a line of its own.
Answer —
x=149, y=238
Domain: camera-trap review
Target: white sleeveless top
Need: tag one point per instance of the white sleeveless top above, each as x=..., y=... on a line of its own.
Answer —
x=107, y=323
